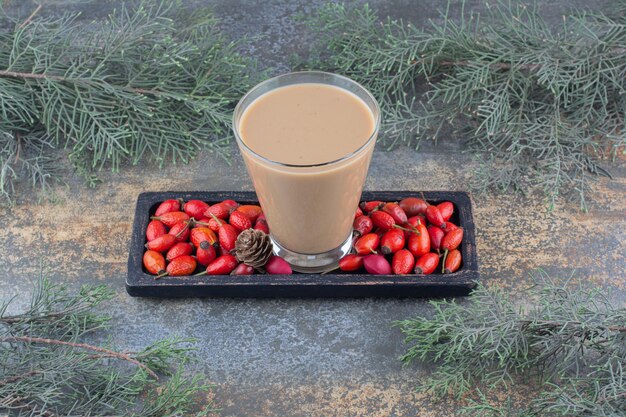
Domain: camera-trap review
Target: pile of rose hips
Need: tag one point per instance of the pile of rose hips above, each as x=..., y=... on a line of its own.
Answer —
x=184, y=236
x=411, y=236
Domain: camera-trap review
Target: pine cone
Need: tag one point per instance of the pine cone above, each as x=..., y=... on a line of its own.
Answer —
x=253, y=247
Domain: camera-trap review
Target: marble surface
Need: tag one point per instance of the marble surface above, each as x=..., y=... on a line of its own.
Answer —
x=302, y=357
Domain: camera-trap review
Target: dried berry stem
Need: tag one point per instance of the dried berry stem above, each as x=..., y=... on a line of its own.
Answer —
x=411, y=230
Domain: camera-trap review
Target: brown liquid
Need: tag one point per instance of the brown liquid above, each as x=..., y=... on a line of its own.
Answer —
x=309, y=209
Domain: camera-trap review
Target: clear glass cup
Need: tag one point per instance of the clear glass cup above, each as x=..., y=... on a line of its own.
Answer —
x=309, y=208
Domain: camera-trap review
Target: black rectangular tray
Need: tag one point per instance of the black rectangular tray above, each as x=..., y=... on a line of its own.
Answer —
x=332, y=285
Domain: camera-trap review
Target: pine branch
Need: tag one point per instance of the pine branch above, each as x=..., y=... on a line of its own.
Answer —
x=47, y=368
x=541, y=108
x=27, y=75
x=106, y=352
x=570, y=340
x=16, y=378
x=87, y=82
x=151, y=82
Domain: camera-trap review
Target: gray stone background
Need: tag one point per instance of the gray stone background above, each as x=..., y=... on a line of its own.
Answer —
x=303, y=357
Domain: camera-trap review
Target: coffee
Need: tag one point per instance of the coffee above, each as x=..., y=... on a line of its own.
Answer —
x=306, y=124
x=313, y=147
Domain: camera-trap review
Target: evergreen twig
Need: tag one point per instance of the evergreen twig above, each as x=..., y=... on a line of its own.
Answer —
x=49, y=368
x=570, y=340
x=152, y=82
x=105, y=352
x=541, y=107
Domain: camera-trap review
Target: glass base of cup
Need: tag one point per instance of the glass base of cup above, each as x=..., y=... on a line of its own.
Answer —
x=313, y=264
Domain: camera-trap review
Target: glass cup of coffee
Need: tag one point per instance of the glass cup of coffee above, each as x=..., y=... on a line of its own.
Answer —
x=307, y=140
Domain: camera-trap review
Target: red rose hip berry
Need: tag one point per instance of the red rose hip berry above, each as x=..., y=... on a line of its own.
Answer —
x=261, y=224
x=392, y=241
x=243, y=269
x=452, y=239
x=203, y=234
x=215, y=224
x=154, y=262
x=239, y=221
x=410, y=227
x=450, y=227
x=413, y=206
x=183, y=265
x=382, y=220
x=155, y=229
x=205, y=254
x=453, y=262
x=251, y=211
x=351, y=263
x=427, y=263
x=433, y=215
x=161, y=243
x=376, y=265
x=277, y=266
x=227, y=236
x=436, y=234
x=195, y=208
x=369, y=206
x=179, y=249
x=180, y=231
x=366, y=244
x=419, y=242
x=222, y=265
x=395, y=211
x=402, y=262
x=171, y=218
x=446, y=209
x=362, y=225
x=167, y=206
x=230, y=203
x=219, y=210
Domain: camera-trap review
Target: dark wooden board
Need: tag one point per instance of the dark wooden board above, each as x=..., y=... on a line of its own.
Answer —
x=332, y=285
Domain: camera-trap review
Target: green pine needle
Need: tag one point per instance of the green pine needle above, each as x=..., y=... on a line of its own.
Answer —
x=569, y=339
x=48, y=366
x=541, y=107
x=147, y=83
